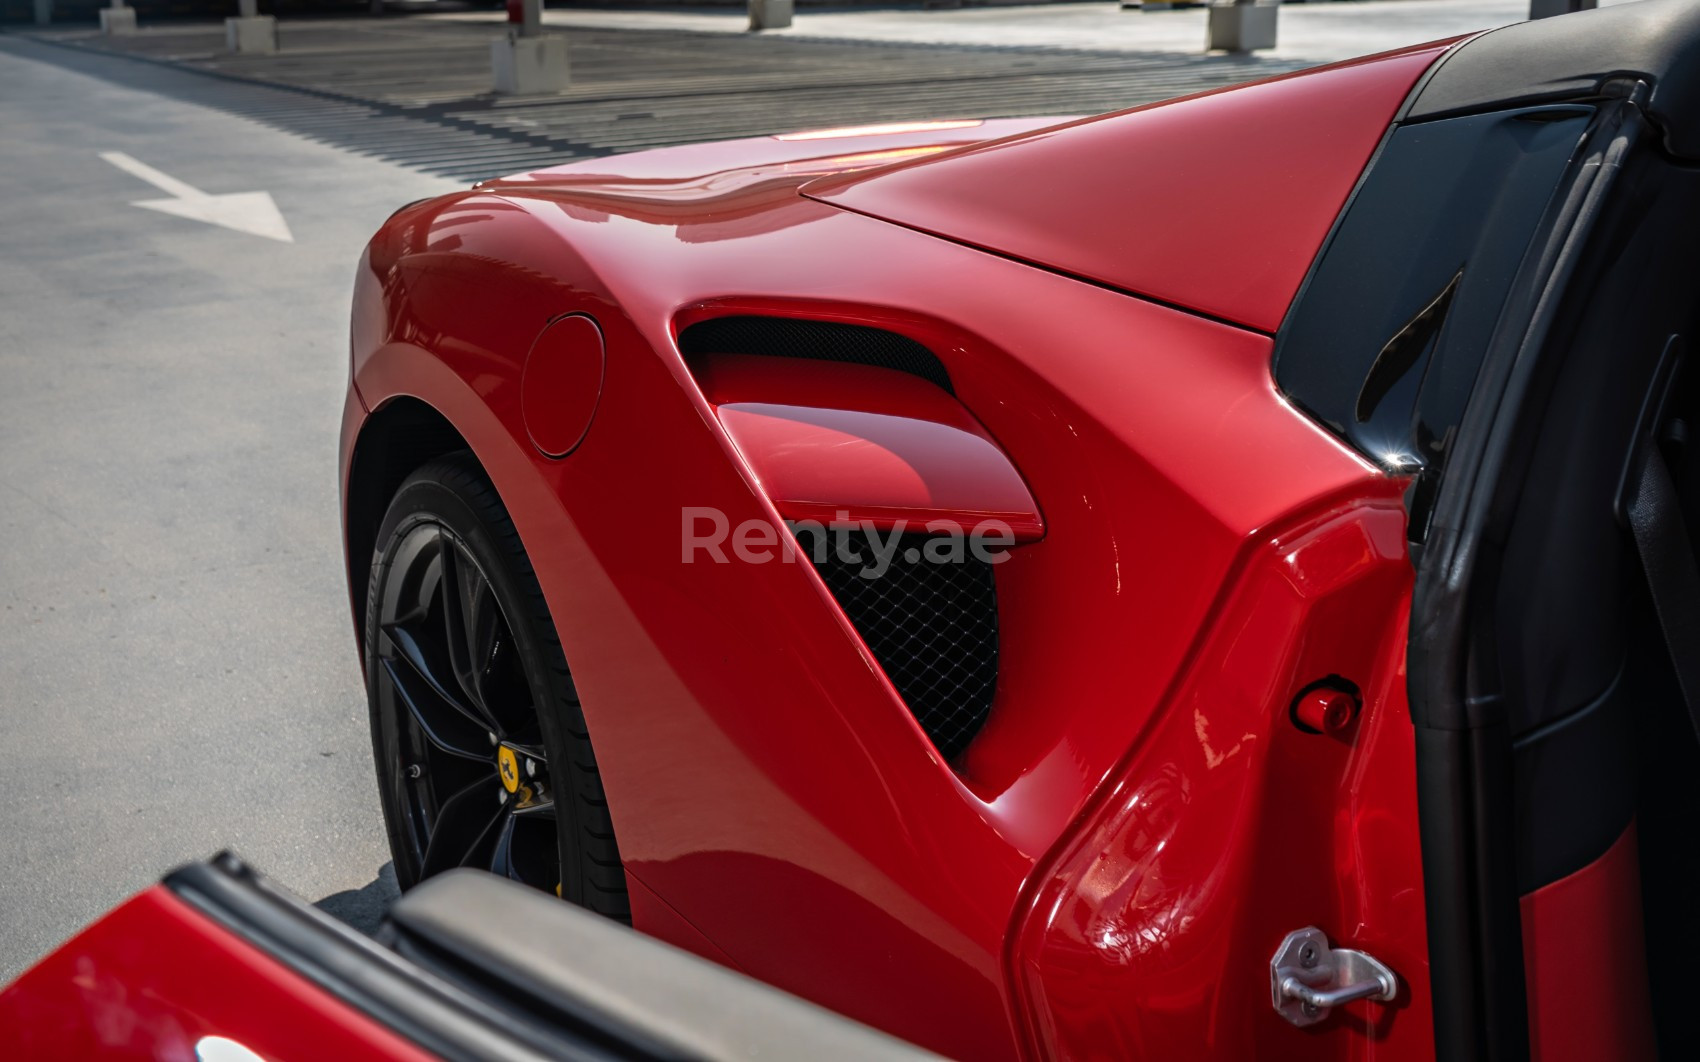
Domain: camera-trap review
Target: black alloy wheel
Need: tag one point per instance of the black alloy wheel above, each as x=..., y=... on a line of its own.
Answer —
x=482, y=755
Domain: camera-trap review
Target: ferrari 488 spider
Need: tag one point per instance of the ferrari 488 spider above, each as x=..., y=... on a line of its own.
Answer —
x=1163, y=585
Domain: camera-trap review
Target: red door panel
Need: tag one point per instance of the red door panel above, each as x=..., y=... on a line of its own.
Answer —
x=1585, y=963
x=153, y=977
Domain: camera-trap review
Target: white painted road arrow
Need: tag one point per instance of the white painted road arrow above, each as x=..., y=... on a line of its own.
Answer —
x=250, y=212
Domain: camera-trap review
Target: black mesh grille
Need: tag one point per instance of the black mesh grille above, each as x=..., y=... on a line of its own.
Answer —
x=931, y=624
x=821, y=340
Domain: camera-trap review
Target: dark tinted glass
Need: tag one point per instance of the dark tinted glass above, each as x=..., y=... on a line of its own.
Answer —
x=1384, y=342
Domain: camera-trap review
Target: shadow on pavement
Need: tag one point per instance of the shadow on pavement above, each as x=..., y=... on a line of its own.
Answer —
x=364, y=908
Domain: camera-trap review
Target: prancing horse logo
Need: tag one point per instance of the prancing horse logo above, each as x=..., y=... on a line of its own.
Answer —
x=507, y=765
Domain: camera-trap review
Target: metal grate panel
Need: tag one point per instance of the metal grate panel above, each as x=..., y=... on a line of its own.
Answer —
x=931, y=624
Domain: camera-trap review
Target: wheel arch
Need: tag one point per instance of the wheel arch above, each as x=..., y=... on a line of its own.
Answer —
x=394, y=440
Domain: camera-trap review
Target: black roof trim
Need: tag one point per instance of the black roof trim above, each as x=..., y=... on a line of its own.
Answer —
x=1574, y=57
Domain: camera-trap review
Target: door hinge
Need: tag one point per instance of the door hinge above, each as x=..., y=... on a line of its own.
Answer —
x=1307, y=978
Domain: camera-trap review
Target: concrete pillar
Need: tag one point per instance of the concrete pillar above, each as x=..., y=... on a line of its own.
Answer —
x=771, y=14
x=1549, y=8
x=250, y=32
x=117, y=20
x=43, y=12
x=527, y=62
x=1242, y=25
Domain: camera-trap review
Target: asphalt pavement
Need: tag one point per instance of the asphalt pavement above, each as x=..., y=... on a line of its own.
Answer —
x=417, y=89
x=177, y=668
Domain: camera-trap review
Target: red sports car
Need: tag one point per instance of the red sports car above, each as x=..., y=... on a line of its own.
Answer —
x=1162, y=585
x=1209, y=581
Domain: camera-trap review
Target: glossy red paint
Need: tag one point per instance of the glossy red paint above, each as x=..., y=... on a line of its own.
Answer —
x=834, y=442
x=1229, y=826
x=647, y=173
x=1589, y=921
x=1097, y=199
x=561, y=383
x=155, y=976
x=658, y=919
x=1208, y=551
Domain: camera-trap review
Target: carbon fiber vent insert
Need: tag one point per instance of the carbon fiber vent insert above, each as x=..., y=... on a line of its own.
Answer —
x=931, y=624
x=790, y=337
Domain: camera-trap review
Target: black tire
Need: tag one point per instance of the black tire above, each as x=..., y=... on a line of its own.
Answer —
x=449, y=658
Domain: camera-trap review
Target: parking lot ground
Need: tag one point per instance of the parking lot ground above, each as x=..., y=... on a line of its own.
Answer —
x=368, y=84
x=415, y=88
x=1313, y=32
x=177, y=668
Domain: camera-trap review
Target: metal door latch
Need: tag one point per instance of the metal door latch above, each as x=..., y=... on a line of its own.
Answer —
x=1307, y=978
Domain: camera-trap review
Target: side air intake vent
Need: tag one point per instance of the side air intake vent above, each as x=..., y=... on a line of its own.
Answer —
x=931, y=623
x=789, y=337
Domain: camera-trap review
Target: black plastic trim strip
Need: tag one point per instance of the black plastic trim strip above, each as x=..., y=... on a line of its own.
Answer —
x=1433, y=71
x=1464, y=752
x=1577, y=56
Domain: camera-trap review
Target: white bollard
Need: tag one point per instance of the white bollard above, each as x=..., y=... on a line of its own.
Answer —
x=117, y=20
x=43, y=12
x=527, y=63
x=255, y=36
x=1241, y=26
x=771, y=14
x=250, y=32
x=530, y=66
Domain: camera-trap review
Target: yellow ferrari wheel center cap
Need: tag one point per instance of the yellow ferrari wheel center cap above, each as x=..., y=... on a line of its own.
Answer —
x=507, y=764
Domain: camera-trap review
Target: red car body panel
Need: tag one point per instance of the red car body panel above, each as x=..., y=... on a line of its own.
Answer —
x=834, y=441
x=1224, y=824
x=1264, y=174
x=777, y=805
x=154, y=976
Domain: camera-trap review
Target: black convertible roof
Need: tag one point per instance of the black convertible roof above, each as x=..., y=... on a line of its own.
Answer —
x=1572, y=57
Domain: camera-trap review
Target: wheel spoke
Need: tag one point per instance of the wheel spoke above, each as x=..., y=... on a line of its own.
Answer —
x=504, y=684
x=531, y=752
x=456, y=740
x=485, y=627
x=543, y=809
x=481, y=853
x=502, y=856
x=412, y=651
x=469, y=621
x=462, y=823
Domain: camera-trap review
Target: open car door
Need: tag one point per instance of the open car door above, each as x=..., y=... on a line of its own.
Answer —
x=217, y=964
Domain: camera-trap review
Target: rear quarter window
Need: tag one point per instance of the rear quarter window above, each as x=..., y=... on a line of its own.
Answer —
x=1385, y=339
